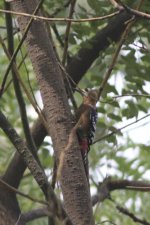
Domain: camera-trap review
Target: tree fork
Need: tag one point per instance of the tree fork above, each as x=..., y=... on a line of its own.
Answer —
x=75, y=70
x=73, y=181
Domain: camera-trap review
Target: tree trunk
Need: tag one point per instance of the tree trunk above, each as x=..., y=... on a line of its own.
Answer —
x=75, y=189
x=76, y=69
x=9, y=208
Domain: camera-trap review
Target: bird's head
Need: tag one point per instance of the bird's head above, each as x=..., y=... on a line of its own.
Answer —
x=90, y=96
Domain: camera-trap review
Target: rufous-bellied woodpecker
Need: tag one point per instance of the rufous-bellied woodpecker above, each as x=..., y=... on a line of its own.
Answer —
x=86, y=117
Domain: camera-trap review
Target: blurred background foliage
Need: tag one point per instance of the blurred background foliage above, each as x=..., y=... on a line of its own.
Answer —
x=123, y=155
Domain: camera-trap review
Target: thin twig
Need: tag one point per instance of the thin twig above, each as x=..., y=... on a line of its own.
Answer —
x=17, y=88
x=114, y=60
x=116, y=5
x=120, y=129
x=61, y=19
x=131, y=215
x=138, y=13
x=67, y=74
x=57, y=10
x=18, y=220
x=22, y=61
x=69, y=86
x=116, y=54
x=21, y=193
x=24, y=87
x=113, y=98
x=18, y=47
x=68, y=32
x=143, y=47
x=57, y=35
x=144, y=189
x=54, y=176
x=133, y=11
x=27, y=72
x=132, y=95
x=8, y=84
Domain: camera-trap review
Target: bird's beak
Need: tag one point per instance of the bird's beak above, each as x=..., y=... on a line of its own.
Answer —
x=81, y=91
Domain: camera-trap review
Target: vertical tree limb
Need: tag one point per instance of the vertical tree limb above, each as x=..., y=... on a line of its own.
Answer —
x=73, y=181
x=17, y=87
x=54, y=205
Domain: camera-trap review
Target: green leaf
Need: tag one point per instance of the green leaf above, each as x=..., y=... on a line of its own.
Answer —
x=112, y=139
x=114, y=117
x=131, y=111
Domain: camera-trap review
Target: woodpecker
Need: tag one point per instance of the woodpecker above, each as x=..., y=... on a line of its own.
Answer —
x=86, y=117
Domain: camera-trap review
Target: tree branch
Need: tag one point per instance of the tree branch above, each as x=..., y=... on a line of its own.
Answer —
x=18, y=48
x=17, y=166
x=67, y=32
x=131, y=215
x=80, y=63
x=10, y=188
x=60, y=19
x=108, y=185
x=57, y=10
x=104, y=190
x=35, y=214
x=118, y=130
x=57, y=111
x=76, y=70
x=132, y=11
x=115, y=57
x=54, y=206
x=17, y=88
x=24, y=152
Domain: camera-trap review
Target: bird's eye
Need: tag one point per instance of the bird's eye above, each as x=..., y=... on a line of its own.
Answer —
x=86, y=89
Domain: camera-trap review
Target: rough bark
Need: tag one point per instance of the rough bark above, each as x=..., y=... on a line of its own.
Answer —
x=53, y=204
x=73, y=181
x=9, y=208
x=17, y=164
x=76, y=68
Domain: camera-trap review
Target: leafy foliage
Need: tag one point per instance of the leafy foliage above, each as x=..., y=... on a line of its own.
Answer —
x=117, y=155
